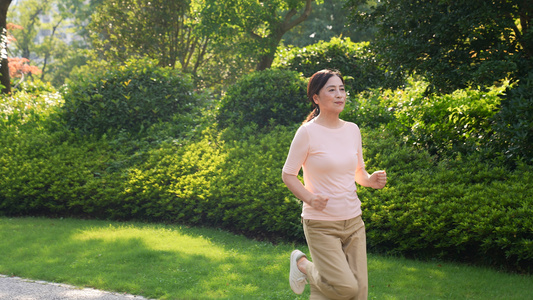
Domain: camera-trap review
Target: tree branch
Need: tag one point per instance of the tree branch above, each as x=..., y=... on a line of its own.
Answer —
x=255, y=36
x=288, y=24
x=47, y=54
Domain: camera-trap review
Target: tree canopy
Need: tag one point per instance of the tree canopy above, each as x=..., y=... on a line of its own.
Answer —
x=452, y=43
x=210, y=39
x=260, y=24
x=162, y=30
x=326, y=21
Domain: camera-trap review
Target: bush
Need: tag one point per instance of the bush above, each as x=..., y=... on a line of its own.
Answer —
x=234, y=184
x=513, y=123
x=32, y=103
x=129, y=97
x=251, y=191
x=355, y=61
x=266, y=98
x=442, y=125
x=367, y=109
x=460, y=207
x=34, y=86
x=44, y=175
x=465, y=209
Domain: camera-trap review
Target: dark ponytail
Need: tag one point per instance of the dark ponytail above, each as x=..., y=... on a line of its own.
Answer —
x=312, y=114
x=316, y=83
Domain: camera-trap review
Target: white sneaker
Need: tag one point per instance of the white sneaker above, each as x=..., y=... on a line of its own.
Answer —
x=297, y=279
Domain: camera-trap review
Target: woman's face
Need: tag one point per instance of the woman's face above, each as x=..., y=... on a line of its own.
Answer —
x=332, y=97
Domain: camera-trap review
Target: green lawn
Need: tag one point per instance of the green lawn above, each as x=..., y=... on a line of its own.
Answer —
x=178, y=262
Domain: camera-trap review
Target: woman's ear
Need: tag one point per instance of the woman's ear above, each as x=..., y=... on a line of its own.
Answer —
x=315, y=99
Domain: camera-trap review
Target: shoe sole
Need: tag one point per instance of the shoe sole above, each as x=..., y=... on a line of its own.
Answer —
x=294, y=266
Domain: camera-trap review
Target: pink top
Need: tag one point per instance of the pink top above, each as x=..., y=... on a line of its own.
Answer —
x=330, y=158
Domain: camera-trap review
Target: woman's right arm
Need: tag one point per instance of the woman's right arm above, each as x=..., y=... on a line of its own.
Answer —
x=295, y=159
x=294, y=184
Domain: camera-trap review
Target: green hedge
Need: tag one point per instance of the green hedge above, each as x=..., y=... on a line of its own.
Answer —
x=235, y=185
x=466, y=208
x=265, y=98
x=461, y=207
x=356, y=62
x=127, y=97
x=442, y=125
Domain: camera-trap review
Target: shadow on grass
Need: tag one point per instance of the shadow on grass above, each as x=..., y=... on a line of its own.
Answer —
x=173, y=262
x=167, y=262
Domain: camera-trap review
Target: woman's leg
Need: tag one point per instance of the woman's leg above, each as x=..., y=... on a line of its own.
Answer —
x=330, y=274
x=355, y=249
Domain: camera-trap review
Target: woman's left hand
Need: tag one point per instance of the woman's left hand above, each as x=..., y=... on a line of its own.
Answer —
x=378, y=179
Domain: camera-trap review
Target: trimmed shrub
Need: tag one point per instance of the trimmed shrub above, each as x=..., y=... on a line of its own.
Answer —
x=127, y=97
x=465, y=209
x=23, y=107
x=266, y=98
x=442, y=125
x=460, y=207
x=356, y=62
x=234, y=184
x=43, y=175
x=252, y=193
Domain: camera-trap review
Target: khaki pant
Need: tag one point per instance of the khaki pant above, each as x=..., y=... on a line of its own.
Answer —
x=338, y=251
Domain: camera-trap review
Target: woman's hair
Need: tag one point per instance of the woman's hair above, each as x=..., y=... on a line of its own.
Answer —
x=316, y=83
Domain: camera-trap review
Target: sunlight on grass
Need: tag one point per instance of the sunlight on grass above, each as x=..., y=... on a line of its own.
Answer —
x=178, y=262
x=156, y=261
x=158, y=239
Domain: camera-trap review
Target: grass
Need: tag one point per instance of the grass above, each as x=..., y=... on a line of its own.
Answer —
x=178, y=262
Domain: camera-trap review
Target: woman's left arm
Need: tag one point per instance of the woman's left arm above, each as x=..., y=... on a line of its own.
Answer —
x=377, y=180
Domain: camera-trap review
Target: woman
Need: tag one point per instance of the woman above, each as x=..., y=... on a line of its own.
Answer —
x=330, y=152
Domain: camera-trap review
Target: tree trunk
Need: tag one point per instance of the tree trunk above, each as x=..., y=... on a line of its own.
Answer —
x=4, y=69
x=273, y=39
x=266, y=60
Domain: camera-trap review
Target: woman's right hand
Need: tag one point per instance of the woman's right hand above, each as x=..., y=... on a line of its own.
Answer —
x=319, y=202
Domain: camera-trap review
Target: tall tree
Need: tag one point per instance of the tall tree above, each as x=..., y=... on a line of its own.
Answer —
x=4, y=69
x=160, y=29
x=261, y=24
x=453, y=43
x=44, y=27
x=27, y=13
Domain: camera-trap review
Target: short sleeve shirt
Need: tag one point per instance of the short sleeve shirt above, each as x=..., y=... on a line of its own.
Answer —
x=330, y=159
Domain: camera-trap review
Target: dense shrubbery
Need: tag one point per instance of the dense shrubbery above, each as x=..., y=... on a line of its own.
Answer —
x=233, y=184
x=32, y=103
x=367, y=109
x=454, y=206
x=355, y=61
x=513, y=124
x=128, y=97
x=463, y=208
x=266, y=98
x=442, y=125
